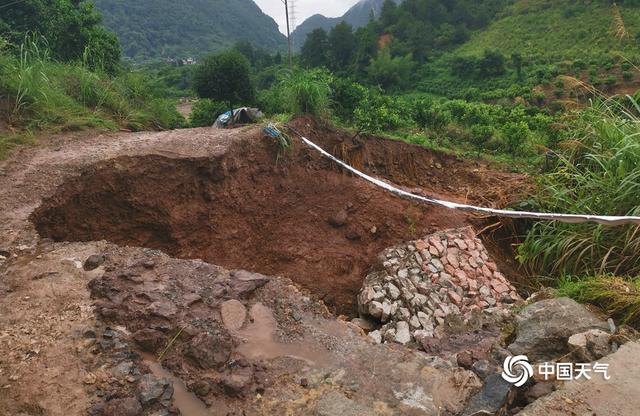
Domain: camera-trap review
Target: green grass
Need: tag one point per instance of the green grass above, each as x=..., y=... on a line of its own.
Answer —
x=597, y=173
x=39, y=95
x=548, y=38
x=619, y=297
x=307, y=92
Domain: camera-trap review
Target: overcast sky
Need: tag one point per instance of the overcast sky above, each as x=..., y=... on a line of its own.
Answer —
x=304, y=9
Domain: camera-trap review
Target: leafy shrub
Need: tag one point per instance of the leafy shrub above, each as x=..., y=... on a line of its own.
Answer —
x=427, y=113
x=627, y=75
x=391, y=73
x=579, y=65
x=225, y=77
x=490, y=64
x=346, y=95
x=205, y=112
x=539, y=97
x=481, y=134
x=379, y=112
x=272, y=102
x=515, y=135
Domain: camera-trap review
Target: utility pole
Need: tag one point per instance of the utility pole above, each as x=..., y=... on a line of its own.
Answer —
x=286, y=12
x=292, y=20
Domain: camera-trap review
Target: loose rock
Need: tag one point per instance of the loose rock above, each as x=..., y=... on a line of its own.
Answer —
x=152, y=389
x=428, y=282
x=233, y=314
x=122, y=407
x=93, y=262
x=495, y=396
x=543, y=328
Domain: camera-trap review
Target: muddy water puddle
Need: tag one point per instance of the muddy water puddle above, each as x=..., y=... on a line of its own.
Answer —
x=261, y=341
x=188, y=403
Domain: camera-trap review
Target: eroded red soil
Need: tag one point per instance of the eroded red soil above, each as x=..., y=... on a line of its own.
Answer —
x=287, y=213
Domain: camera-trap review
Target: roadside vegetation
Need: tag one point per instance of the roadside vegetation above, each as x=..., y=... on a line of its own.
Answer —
x=60, y=71
x=538, y=86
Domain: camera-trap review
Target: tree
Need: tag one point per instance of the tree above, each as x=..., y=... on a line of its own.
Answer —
x=71, y=28
x=388, y=13
x=314, y=52
x=516, y=59
x=225, y=77
x=491, y=64
x=246, y=48
x=342, y=43
x=391, y=73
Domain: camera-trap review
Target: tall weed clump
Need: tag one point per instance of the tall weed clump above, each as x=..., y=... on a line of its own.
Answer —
x=307, y=92
x=38, y=93
x=598, y=173
x=32, y=88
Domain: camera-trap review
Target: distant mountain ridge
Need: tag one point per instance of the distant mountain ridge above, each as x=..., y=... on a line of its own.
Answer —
x=357, y=16
x=164, y=28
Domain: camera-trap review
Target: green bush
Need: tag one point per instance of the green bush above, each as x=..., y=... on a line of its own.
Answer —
x=378, y=112
x=346, y=95
x=205, y=112
x=481, y=134
x=515, y=135
x=427, y=113
x=580, y=65
x=272, y=102
x=391, y=73
x=225, y=77
x=539, y=97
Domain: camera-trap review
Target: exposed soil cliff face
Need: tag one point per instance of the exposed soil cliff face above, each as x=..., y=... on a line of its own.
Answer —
x=278, y=212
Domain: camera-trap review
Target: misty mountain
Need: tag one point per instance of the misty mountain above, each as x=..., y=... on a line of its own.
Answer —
x=357, y=16
x=164, y=28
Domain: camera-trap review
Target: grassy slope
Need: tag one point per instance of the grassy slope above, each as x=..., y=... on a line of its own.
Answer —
x=558, y=29
x=38, y=95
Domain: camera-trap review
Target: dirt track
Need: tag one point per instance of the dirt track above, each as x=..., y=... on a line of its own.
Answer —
x=224, y=196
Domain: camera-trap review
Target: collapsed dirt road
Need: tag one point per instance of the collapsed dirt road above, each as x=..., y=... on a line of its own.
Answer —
x=250, y=206
x=231, y=198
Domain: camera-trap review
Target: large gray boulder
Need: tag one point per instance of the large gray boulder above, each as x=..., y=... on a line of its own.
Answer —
x=543, y=328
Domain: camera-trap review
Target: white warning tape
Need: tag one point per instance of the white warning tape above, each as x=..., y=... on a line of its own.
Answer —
x=568, y=218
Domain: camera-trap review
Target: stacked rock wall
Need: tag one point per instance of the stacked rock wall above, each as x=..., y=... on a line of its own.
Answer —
x=425, y=283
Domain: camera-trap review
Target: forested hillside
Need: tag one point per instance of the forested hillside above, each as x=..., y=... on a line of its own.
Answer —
x=561, y=29
x=357, y=16
x=165, y=28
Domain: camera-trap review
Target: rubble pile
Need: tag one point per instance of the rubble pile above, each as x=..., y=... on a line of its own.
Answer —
x=425, y=283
